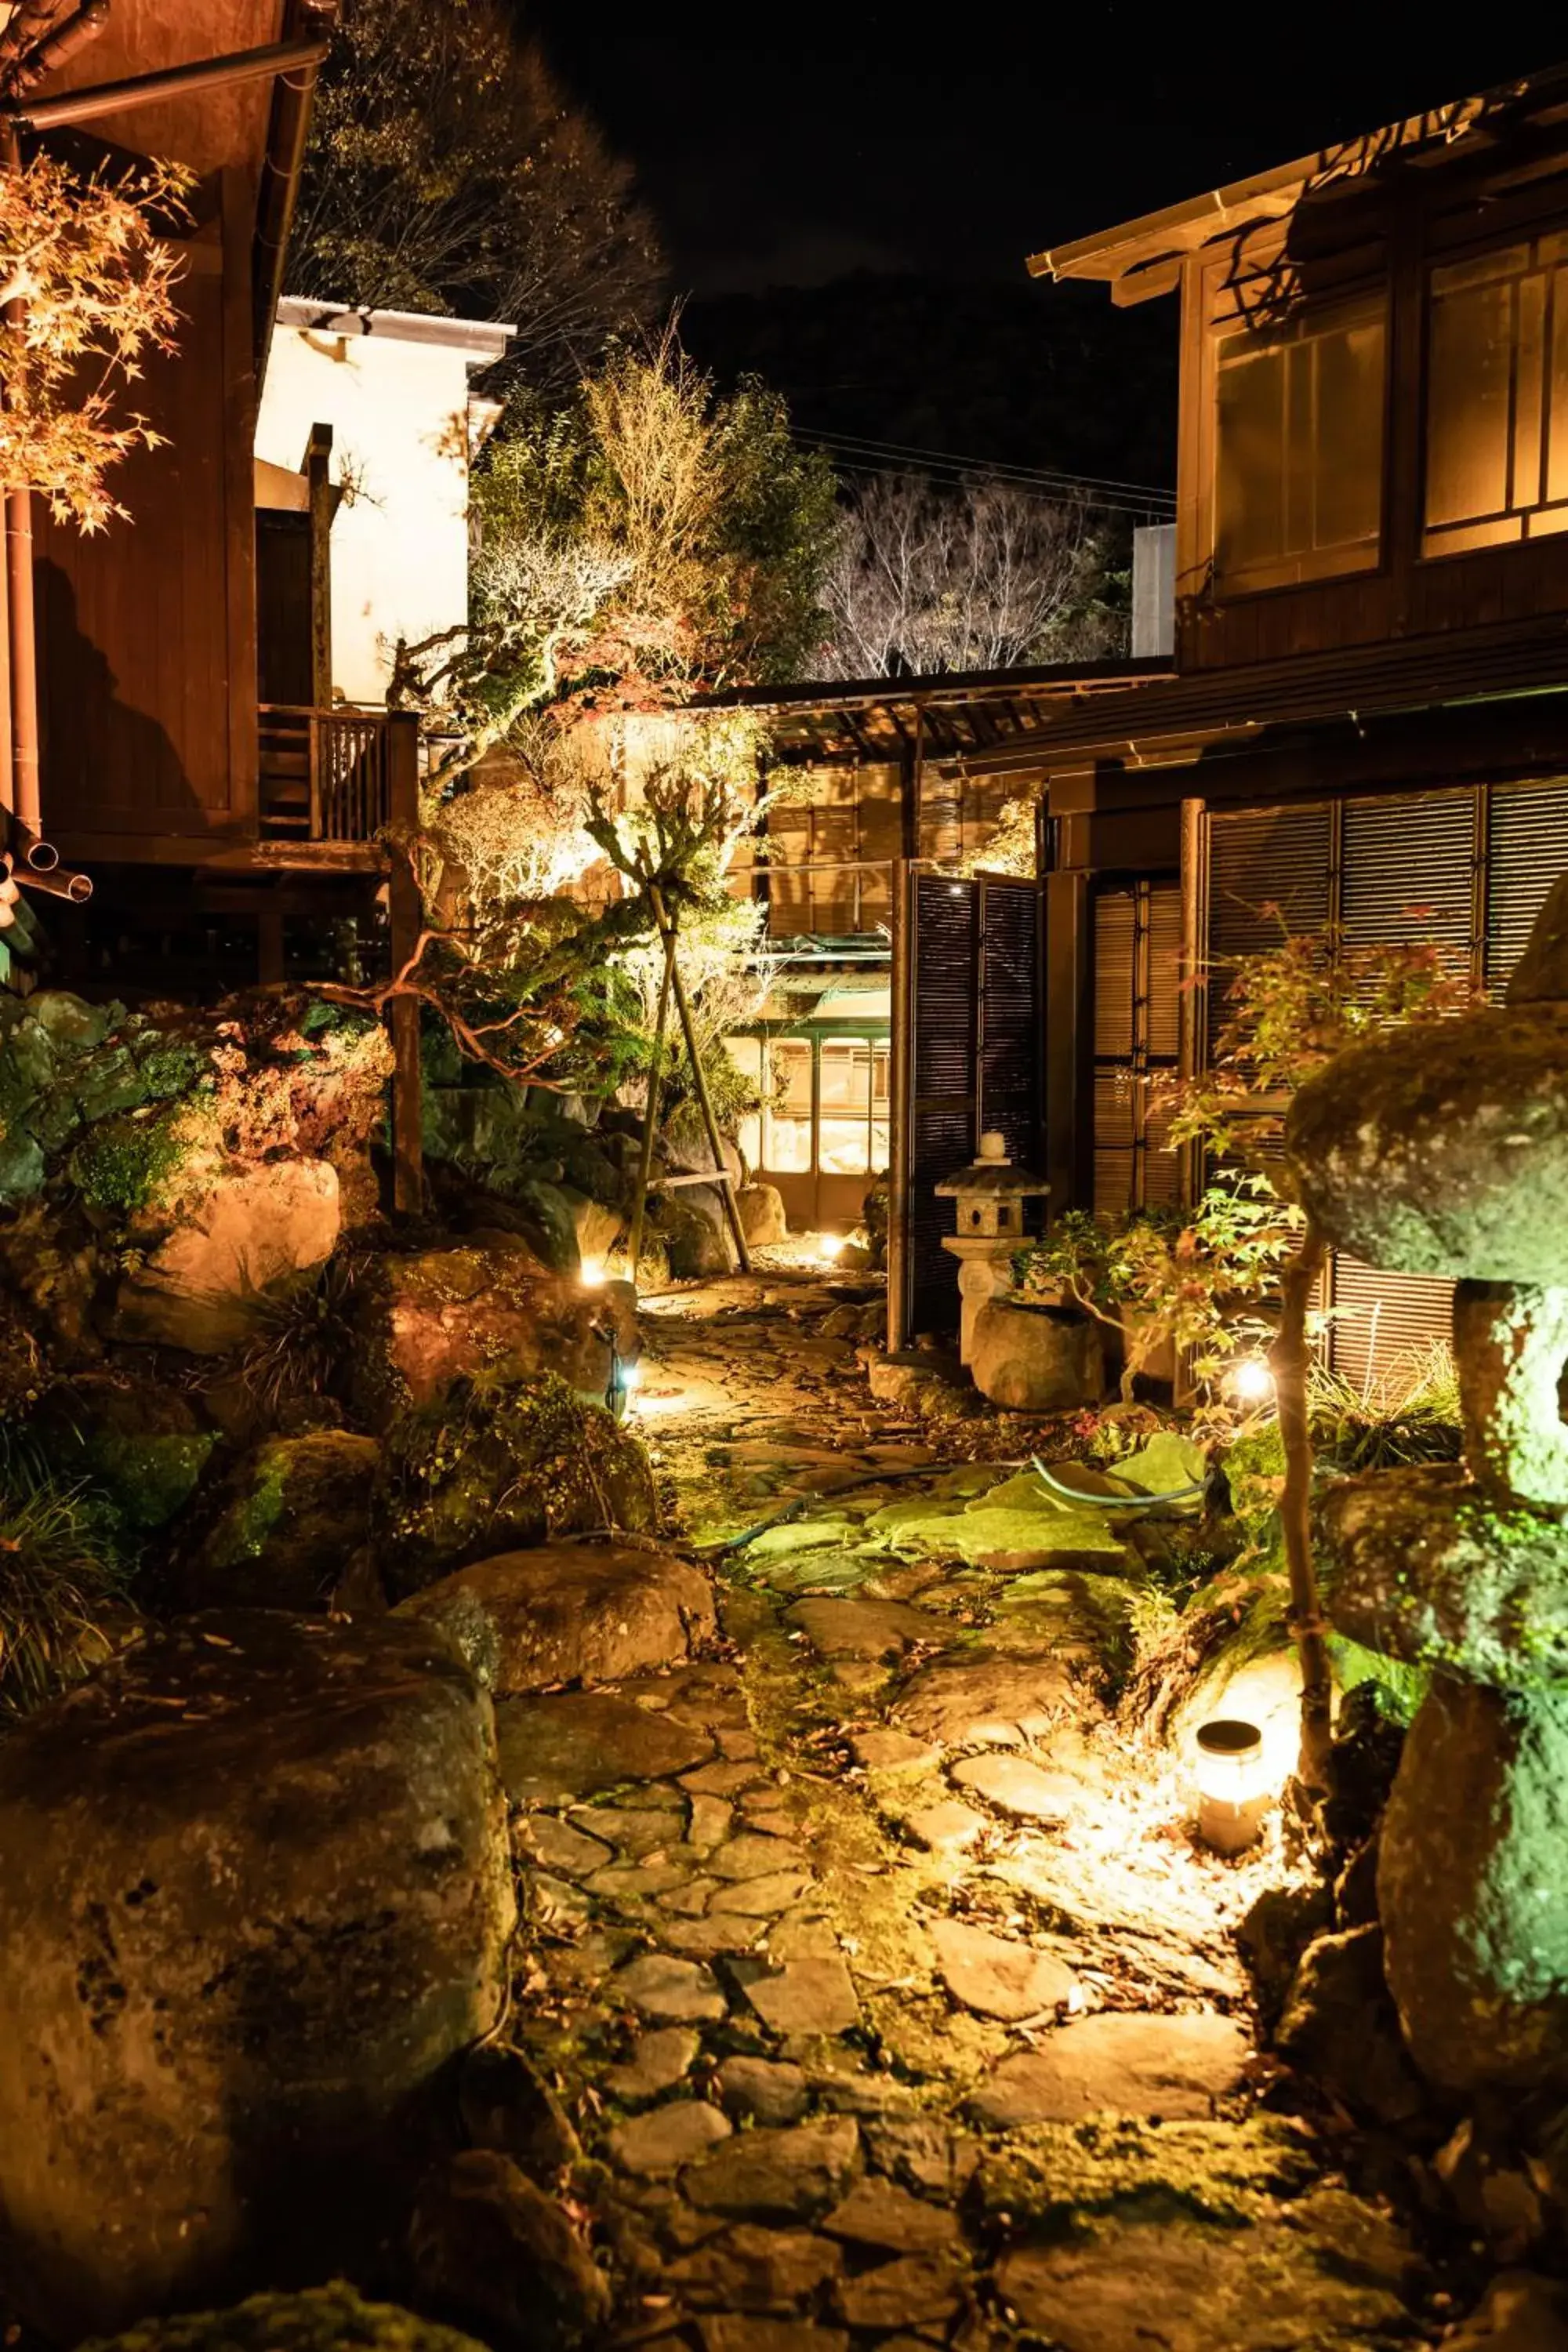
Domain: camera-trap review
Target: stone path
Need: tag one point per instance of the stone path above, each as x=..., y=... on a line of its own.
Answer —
x=875, y=1970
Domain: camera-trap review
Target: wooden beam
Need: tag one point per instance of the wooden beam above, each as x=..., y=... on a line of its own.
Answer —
x=317, y=469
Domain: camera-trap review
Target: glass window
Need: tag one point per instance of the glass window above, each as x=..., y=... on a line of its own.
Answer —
x=786, y=1106
x=1299, y=446
x=844, y=1136
x=881, y=1131
x=1496, y=398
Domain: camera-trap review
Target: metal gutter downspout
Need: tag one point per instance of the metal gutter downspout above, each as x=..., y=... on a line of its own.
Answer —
x=280, y=193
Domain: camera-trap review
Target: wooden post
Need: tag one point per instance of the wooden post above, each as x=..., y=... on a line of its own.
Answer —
x=699, y=1080
x=650, y=1115
x=317, y=469
x=405, y=914
x=903, y=1081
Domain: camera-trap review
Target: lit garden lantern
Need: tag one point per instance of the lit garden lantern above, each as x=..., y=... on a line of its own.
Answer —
x=991, y=1194
x=1233, y=1793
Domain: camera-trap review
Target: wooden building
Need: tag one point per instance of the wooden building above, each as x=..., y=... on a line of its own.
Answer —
x=226, y=838
x=1367, y=728
x=875, y=799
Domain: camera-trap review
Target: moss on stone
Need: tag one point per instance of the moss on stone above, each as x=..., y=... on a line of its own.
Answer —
x=1232, y=2173
x=321, y=2319
x=497, y=1464
x=122, y=1166
x=151, y=1478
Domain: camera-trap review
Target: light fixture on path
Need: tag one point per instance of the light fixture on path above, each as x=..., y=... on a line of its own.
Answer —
x=1251, y=1381
x=1234, y=1788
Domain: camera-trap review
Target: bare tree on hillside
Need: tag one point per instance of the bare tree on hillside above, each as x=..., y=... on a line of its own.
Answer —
x=983, y=576
x=448, y=171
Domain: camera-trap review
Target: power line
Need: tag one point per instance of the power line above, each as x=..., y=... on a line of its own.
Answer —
x=1063, y=491
x=1148, y=491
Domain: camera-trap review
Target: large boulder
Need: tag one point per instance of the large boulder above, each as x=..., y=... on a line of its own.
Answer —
x=255, y=1230
x=1470, y=1888
x=762, y=1218
x=287, y=1522
x=569, y=1613
x=442, y=1314
x=691, y=1226
x=1033, y=1360
x=256, y=1893
x=497, y=1465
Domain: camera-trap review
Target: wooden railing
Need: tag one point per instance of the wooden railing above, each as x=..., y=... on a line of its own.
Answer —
x=324, y=775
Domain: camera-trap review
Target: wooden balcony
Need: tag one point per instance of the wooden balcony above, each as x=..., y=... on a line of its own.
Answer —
x=325, y=775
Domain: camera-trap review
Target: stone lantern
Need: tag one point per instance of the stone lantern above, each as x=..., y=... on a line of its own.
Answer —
x=1444, y=1151
x=990, y=1193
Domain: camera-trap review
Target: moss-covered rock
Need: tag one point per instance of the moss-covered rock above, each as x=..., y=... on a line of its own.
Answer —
x=496, y=1465
x=143, y=1448
x=1051, y=2173
x=321, y=2319
x=287, y=1522
x=1471, y=1889
x=1420, y=1564
x=1448, y=1153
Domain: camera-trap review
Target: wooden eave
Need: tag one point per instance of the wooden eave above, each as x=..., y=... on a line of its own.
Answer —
x=1167, y=720
x=1141, y=258
x=874, y=721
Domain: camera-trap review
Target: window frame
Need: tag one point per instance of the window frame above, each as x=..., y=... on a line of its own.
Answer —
x=1221, y=288
x=1532, y=232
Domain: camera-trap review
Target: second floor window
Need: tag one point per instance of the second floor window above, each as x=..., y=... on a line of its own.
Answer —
x=1299, y=446
x=1496, y=398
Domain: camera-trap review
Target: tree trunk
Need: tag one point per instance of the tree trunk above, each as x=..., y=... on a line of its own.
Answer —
x=1291, y=1359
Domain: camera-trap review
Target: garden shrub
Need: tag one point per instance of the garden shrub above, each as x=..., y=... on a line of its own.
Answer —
x=496, y=1465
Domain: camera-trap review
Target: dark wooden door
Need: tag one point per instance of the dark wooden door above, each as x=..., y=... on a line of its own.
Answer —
x=977, y=1058
x=283, y=607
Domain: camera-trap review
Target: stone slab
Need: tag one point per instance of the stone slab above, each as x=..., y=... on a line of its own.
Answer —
x=1163, y=2068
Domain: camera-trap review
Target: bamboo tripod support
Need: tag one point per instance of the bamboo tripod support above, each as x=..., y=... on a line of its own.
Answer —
x=672, y=983
x=650, y=1115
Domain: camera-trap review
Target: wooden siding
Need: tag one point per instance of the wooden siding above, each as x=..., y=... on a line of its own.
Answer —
x=1403, y=595
x=147, y=632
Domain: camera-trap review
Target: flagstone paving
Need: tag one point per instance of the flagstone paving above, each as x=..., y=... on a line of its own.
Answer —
x=877, y=1971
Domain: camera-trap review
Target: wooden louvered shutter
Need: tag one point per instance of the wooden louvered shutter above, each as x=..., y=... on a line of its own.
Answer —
x=1269, y=873
x=1137, y=973
x=1407, y=871
x=1527, y=852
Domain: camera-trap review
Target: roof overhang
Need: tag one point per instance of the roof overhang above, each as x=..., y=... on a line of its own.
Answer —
x=1141, y=258
x=482, y=342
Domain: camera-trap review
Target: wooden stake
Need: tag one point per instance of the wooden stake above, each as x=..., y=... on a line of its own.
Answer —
x=650, y=1115
x=1291, y=1359
x=699, y=1079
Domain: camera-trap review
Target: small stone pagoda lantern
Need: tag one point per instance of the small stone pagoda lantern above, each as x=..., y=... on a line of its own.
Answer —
x=991, y=1194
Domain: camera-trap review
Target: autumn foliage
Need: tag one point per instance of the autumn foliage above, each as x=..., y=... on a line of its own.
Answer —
x=92, y=284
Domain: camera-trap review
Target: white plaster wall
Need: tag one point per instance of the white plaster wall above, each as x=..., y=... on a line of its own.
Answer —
x=400, y=541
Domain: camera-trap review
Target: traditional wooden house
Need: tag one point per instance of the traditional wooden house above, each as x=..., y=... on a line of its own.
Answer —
x=225, y=839
x=1368, y=729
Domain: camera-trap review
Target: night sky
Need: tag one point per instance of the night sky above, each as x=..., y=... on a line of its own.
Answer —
x=894, y=167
